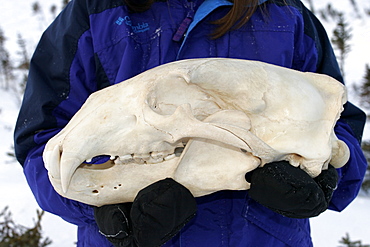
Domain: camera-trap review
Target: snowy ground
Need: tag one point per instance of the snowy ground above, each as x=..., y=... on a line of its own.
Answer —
x=14, y=191
x=16, y=17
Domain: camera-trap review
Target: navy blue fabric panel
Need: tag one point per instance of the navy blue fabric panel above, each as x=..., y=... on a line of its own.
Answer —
x=355, y=118
x=48, y=82
x=82, y=81
x=50, y=73
x=327, y=63
x=352, y=174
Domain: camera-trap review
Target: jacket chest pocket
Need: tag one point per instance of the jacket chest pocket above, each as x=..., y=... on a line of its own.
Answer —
x=135, y=52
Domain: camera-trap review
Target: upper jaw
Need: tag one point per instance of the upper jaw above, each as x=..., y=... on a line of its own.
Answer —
x=154, y=157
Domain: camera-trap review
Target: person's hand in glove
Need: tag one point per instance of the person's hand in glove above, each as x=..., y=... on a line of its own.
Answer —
x=158, y=213
x=115, y=224
x=290, y=191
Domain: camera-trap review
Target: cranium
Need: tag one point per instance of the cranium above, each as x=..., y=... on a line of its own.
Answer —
x=231, y=115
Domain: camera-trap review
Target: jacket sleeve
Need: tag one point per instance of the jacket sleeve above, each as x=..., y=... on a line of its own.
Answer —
x=349, y=127
x=58, y=84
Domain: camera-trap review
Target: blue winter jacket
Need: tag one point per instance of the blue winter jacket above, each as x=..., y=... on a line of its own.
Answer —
x=97, y=43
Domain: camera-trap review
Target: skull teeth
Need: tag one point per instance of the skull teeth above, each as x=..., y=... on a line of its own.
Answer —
x=126, y=158
x=149, y=158
x=170, y=157
x=139, y=159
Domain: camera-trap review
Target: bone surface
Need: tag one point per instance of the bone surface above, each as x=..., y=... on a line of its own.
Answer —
x=204, y=122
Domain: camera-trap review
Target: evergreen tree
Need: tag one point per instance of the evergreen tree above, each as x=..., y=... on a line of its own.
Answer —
x=23, y=66
x=349, y=243
x=312, y=7
x=366, y=182
x=329, y=12
x=64, y=3
x=364, y=92
x=6, y=68
x=15, y=235
x=355, y=7
x=341, y=36
x=364, y=89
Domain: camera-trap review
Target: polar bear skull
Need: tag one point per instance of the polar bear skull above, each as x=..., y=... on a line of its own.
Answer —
x=203, y=122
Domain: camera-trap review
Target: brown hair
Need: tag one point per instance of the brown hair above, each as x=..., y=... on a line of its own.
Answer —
x=239, y=14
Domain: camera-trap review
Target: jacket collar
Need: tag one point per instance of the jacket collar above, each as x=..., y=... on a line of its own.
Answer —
x=206, y=8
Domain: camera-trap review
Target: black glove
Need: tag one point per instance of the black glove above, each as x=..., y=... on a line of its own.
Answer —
x=115, y=224
x=158, y=213
x=290, y=191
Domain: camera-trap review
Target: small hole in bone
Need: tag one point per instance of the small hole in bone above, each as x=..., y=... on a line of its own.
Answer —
x=102, y=186
x=120, y=185
x=95, y=191
x=115, y=188
x=178, y=151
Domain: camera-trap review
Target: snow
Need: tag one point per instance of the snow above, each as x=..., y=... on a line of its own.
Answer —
x=14, y=191
x=329, y=227
x=17, y=18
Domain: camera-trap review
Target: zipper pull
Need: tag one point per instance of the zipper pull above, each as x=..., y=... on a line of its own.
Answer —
x=185, y=23
x=182, y=29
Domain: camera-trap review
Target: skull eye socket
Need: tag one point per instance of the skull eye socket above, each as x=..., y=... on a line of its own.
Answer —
x=169, y=94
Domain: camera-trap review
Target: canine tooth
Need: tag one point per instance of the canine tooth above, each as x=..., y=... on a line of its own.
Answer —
x=52, y=161
x=89, y=160
x=112, y=157
x=170, y=156
x=68, y=166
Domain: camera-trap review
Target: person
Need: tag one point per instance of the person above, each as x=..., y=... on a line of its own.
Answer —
x=97, y=43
